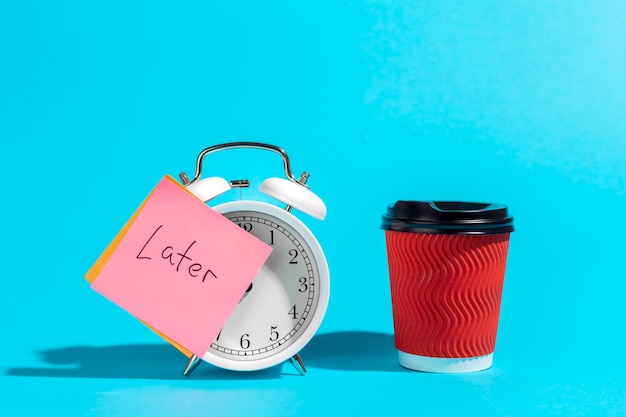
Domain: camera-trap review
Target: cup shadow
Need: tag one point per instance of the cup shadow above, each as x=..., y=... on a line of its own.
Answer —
x=343, y=351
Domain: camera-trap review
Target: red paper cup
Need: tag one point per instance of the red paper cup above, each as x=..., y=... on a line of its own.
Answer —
x=446, y=268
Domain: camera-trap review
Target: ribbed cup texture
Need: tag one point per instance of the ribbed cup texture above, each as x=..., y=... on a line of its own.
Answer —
x=446, y=292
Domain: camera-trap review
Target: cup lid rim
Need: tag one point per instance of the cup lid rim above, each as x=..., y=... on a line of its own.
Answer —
x=449, y=217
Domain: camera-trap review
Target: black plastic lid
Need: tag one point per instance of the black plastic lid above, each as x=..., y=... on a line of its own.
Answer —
x=448, y=217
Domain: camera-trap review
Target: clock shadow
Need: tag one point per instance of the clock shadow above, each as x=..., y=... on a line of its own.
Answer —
x=140, y=361
x=342, y=351
x=352, y=351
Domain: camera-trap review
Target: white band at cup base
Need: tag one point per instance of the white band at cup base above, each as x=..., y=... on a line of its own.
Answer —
x=445, y=365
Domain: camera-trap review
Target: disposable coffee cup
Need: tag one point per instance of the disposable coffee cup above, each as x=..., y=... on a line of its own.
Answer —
x=447, y=262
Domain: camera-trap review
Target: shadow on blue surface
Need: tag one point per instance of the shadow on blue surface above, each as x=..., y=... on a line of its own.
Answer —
x=352, y=351
x=142, y=361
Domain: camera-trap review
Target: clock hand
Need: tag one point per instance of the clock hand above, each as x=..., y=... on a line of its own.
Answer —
x=246, y=293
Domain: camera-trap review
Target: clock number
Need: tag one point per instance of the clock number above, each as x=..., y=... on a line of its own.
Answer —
x=303, y=285
x=274, y=334
x=244, y=342
x=245, y=226
x=271, y=237
x=294, y=253
x=293, y=313
x=217, y=339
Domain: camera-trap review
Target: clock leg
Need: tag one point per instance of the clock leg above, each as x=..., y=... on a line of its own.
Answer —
x=296, y=362
x=193, y=363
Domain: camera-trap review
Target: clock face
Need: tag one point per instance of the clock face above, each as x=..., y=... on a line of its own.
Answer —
x=287, y=300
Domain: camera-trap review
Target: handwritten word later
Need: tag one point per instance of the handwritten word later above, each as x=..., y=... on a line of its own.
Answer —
x=177, y=259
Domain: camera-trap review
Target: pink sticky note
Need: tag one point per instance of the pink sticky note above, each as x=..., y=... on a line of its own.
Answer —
x=181, y=267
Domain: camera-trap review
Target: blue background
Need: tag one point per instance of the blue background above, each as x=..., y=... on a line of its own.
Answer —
x=519, y=102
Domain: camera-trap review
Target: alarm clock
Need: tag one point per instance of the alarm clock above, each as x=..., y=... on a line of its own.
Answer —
x=284, y=305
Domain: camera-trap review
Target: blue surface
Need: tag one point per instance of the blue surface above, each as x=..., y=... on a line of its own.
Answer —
x=518, y=102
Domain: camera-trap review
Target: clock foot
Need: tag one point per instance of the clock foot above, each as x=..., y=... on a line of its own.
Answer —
x=193, y=363
x=296, y=362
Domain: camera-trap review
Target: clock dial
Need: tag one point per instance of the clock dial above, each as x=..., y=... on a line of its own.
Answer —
x=281, y=309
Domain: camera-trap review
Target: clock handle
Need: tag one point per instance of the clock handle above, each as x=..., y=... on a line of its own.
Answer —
x=239, y=145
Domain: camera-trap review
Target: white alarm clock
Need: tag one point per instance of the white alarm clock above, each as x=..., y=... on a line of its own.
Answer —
x=285, y=304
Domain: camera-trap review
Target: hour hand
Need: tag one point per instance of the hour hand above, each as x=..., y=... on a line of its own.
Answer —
x=246, y=293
